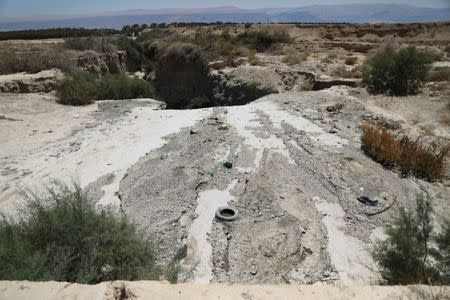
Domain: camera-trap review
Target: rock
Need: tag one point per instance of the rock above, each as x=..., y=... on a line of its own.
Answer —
x=193, y=132
x=42, y=82
x=223, y=127
x=102, y=63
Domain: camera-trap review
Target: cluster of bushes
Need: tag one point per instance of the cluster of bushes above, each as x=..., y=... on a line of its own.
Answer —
x=62, y=237
x=413, y=252
x=182, y=75
x=34, y=62
x=398, y=73
x=55, y=33
x=410, y=156
x=82, y=88
x=262, y=40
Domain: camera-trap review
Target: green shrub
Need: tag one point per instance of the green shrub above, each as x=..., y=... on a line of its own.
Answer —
x=120, y=86
x=262, y=39
x=81, y=88
x=182, y=75
x=398, y=73
x=77, y=88
x=62, y=237
x=408, y=256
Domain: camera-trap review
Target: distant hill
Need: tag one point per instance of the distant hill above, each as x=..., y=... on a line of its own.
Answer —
x=355, y=13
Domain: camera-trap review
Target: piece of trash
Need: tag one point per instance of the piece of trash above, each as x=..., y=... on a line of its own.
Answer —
x=366, y=200
x=223, y=127
x=226, y=214
x=226, y=164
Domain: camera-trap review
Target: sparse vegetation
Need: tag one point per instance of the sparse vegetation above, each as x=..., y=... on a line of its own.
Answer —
x=62, y=237
x=431, y=55
x=293, y=57
x=34, y=62
x=253, y=59
x=182, y=75
x=99, y=44
x=412, y=252
x=82, y=88
x=398, y=73
x=411, y=157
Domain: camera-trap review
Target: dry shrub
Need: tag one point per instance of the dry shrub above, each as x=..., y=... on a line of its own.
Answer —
x=293, y=57
x=439, y=74
x=412, y=157
x=351, y=60
x=253, y=60
x=35, y=62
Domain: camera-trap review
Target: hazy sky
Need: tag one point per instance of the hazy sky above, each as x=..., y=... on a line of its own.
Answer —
x=25, y=8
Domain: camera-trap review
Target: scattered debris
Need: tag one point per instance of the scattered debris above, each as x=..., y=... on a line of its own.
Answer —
x=227, y=164
x=367, y=201
x=223, y=127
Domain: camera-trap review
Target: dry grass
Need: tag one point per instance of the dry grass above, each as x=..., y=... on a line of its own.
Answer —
x=411, y=157
x=293, y=57
x=439, y=74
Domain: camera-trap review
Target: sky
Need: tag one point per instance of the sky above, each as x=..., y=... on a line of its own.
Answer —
x=28, y=8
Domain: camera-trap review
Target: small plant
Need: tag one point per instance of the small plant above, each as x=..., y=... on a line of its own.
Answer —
x=351, y=60
x=410, y=156
x=253, y=60
x=407, y=256
x=293, y=57
x=306, y=85
x=399, y=73
x=62, y=237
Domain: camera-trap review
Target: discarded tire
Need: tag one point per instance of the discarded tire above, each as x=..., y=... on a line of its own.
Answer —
x=226, y=214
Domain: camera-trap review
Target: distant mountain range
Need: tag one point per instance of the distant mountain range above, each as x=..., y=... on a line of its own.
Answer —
x=355, y=13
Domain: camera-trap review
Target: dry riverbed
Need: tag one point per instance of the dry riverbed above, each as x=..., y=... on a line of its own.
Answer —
x=296, y=175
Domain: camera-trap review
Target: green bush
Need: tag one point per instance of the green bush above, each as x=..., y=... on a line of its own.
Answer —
x=397, y=73
x=136, y=58
x=77, y=88
x=408, y=256
x=81, y=88
x=119, y=86
x=182, y=75
x=263, y=39
x=62, y=237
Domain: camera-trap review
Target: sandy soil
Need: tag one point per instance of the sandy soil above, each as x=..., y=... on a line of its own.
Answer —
x=163, y=291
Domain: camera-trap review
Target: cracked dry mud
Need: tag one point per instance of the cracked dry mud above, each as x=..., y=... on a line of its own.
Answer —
x=297, y=172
